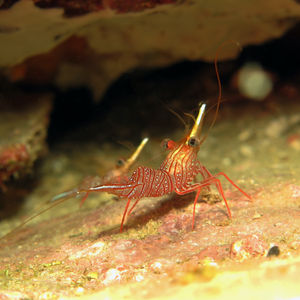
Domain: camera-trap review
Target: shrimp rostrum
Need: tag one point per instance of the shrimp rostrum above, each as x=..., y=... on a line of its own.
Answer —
x=176, y=174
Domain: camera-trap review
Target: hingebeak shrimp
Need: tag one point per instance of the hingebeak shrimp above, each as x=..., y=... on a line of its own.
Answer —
x=176, y=174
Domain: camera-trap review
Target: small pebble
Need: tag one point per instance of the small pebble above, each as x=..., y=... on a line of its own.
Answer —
x=92, y=275
x=246, y=150
x=139, y=277
x=156, y=267
x=273, y=251
x=295, y=245
x=245, y=135
x=295, y=190
x=257, y=216
x=247, y=247
x=112, y=275
x=46, y=295
x=79, y=291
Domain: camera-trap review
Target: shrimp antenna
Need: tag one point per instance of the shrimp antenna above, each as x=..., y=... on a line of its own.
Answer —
x=207, y=111
x=176, y=114
x=219, y=85
x=33, y=217
x=191, y=116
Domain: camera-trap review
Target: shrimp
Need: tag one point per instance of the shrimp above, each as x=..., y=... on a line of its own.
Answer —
x=118, y=174
x=176, y=174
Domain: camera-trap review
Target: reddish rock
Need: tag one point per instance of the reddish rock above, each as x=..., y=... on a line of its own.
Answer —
x=73, y=252
x=23, y=129
x=247, y=247
x=214, y=252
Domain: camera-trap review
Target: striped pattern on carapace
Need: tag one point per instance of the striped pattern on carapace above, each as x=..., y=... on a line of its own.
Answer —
x=182, y=166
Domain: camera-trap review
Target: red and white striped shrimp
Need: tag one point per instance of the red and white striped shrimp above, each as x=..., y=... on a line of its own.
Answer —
x=176, y=174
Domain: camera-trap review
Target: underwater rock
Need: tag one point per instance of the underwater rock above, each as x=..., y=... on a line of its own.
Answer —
x=247, y=247
x=73, y=251
x=123, y=35
x=23, y=130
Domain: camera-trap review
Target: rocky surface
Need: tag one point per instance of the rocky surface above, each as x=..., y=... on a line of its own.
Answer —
x=67, y=251
x=119, y=36
x=24, y=123
x=71, y=252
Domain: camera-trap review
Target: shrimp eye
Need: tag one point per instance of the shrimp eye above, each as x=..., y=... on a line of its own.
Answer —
x=193, y=142
x=168, y=144
x=120, y=163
